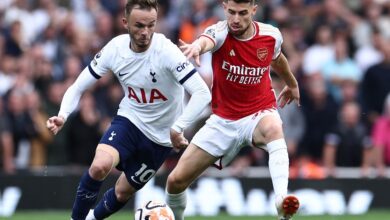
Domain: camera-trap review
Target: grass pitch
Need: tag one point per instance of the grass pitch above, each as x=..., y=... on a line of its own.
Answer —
x=123, y=215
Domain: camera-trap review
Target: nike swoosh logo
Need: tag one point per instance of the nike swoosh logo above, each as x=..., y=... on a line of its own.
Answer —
x=122, y=74
x=132, y=178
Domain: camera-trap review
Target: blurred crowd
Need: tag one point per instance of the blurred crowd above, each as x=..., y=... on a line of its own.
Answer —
x=339, y=50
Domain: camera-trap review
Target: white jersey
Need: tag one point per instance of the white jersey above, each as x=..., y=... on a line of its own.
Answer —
x=151, y=81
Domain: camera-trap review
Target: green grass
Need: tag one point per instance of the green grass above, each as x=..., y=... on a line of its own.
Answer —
x=62, y=215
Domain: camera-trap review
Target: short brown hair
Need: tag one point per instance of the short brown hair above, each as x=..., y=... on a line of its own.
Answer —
x=252, y=2
x=143, y=4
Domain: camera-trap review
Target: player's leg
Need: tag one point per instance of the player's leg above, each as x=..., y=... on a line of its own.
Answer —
x=269, y=130
x=140, y=160
x=191, y=164
x=106, y=157
x=113, y=199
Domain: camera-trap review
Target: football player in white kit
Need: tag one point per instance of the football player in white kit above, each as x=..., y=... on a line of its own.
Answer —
x=151, y=117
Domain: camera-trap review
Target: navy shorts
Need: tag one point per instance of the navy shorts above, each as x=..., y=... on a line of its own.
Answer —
x=140, y=158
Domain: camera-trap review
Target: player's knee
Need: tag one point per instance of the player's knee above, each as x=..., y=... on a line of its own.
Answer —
x=273, y=131
x=99, y=171
x=123, y=196
x=176, y=182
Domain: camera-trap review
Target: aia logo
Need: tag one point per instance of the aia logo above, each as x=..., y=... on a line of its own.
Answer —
x=262, y=53
x=146, y=96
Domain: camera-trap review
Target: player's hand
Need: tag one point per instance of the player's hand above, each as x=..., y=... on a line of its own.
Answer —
x=55, y=123
x=288, y=95
x=178, y=140
x=191, y=50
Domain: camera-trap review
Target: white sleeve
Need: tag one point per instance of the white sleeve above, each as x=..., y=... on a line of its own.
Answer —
x=200, y=98
x=217, y=33
x=73, y=93
x=102, y=61
x=278, y=43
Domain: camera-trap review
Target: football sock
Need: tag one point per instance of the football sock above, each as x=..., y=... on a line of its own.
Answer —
x=278, y=165
x=86, y=196
x=108, y=205
x=177, y=202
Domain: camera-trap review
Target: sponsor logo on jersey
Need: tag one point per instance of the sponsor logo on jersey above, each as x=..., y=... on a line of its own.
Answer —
x=146, y=95
x=262, y=53
x=244, y=74
x=182, y=66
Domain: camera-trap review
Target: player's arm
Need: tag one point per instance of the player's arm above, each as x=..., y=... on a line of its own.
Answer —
x=71, y=99
x=201, y=45
x=291, y=90
x=200, y=98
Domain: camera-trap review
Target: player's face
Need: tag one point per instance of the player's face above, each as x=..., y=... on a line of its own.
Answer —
x=141, y=25
x=239, y=16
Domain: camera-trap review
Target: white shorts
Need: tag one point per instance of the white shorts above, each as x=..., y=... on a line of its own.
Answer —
x=224, y=138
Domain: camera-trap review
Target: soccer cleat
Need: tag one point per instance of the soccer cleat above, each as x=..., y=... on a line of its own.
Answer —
x=90, y=215
x=287, y=206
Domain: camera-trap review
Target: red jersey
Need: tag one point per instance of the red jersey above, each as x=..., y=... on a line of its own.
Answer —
x=241, y=70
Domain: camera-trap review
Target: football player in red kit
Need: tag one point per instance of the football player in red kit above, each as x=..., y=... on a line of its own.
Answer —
x=243, y=103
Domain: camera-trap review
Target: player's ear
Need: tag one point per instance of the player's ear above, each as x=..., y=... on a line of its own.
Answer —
x=125, y=23
x=254, y=9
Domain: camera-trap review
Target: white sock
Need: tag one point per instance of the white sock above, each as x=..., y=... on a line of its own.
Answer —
x=178, y=203
x=278, y=166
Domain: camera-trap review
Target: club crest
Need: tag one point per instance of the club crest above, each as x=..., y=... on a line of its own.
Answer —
x=262, y=53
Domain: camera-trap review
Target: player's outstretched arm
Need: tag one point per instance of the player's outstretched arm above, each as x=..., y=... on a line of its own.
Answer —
x=200, y=98
x=70, y=100
x=196, y=48
x=291, y=91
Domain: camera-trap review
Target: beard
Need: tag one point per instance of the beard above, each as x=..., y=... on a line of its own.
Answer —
x=141, y=43
x=238, y=32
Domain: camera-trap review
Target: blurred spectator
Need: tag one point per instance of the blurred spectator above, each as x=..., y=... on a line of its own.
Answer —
x=347, y=144
x=43, y=136
x=83, y=140
x=56, y=149
x=376, y=85
x=13, y=42
x=381, y=139
x=362, y=26
x=369, y=54
x=349, y=91
x=21, y=126
x=340, y=68
x=320, y=111
x=194, y=23
x=7, y=73
x=319, y=53
x=86, y=14
x=72, y=68
x=6, y=143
